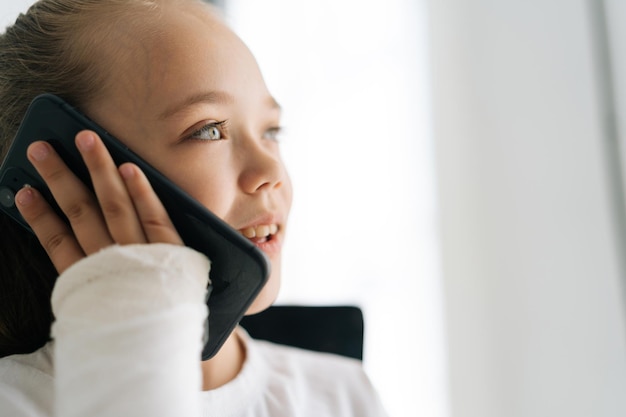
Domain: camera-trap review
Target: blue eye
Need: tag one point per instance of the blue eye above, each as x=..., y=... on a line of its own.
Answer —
x=209, y=132
x=273, y=133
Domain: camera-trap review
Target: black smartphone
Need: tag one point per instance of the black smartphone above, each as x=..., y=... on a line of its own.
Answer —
x=239, y=269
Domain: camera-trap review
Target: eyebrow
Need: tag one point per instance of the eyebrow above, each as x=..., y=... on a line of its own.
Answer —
x=210, y=97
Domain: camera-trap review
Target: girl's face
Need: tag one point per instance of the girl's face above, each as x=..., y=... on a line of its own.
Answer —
x=190, y=99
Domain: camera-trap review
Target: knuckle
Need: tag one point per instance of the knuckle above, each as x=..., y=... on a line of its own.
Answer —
x=53, y=242
x=77, y=210
x=55, y=174
x=158, y=228
x=155, y=223
x=113, y=209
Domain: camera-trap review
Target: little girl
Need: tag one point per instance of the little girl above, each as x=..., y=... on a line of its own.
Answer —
x=176, y=85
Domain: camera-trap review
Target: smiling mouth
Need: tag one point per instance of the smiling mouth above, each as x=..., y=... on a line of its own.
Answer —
x=261, y=233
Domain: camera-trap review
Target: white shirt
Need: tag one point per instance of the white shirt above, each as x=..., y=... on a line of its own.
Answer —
x=128, y=341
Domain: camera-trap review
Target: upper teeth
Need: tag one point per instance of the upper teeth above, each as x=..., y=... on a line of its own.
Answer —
x=263, y=230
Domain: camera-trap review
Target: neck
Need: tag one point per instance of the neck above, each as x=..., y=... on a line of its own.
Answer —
x=225, y=365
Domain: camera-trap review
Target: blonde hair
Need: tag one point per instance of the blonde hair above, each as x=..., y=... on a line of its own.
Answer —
x=62, y=47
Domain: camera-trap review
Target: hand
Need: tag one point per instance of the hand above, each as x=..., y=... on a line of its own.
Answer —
x=124, y=209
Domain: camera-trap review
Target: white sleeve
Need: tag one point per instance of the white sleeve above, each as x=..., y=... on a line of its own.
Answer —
x=128, y=333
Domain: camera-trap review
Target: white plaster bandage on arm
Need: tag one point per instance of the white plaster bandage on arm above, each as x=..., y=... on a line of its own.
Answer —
x=128, y=332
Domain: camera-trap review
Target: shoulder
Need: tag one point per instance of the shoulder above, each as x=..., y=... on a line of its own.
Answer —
x=26, y=383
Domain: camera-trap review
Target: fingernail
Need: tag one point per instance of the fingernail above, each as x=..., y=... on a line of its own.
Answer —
x=127, y=172
x=25, y=196
x=85, y=141
x=39, y=151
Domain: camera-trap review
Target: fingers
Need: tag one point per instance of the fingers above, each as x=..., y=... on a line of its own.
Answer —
x=115, y=203
x=54, y=234
x=73, y=197
x=124, y=209
x=153, y=217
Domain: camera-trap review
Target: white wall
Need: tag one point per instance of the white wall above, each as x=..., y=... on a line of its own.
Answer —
x=616, y=16
x=536, y=323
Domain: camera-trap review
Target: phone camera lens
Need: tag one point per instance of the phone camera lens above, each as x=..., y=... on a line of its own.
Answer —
x=7, y=197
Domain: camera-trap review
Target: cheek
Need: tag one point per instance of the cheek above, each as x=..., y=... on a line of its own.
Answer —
x=212, y=186
x=214, y=195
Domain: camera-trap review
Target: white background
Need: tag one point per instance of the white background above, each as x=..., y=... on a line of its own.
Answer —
x=352, y=76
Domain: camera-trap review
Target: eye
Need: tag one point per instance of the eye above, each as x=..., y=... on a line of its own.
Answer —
x=273, y=133
x=210, y=132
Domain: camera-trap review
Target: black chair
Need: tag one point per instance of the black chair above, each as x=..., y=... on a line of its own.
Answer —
x=333, y=329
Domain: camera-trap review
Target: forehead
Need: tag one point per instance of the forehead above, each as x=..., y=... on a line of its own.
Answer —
x=186, y=49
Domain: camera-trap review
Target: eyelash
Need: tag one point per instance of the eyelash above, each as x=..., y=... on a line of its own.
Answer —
x=222, y=127
x=276, y=133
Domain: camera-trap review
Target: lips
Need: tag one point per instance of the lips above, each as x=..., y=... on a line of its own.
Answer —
x=265, y=235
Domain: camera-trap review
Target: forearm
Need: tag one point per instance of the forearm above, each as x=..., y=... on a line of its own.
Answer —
x=128, y=332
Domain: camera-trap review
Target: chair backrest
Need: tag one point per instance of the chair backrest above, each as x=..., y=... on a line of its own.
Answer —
x=333, y=329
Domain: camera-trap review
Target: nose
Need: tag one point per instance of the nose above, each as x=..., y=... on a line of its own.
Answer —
x=262, y=168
